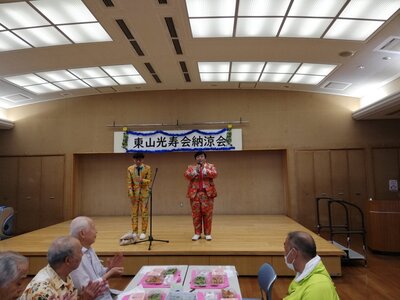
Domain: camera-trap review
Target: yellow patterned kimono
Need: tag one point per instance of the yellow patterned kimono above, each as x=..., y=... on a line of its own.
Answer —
x=139, y=182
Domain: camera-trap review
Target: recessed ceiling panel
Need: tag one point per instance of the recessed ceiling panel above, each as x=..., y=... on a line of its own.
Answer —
x=263, y=7
x=371, y=9
x=60, y=75
x=316, y=8
x=85, y=33
x=9, y=42
x=72, y=84
x=214, y=77
x=306, y=79
x=211, y=67
x=211, y=8
x=252, y=66
x=120, y=70
x=26, y=79
x=96, y=82
x=352, y=29
x=304, y=27
x=20, y=15
x=43, y=88
x=88, y=72
x=258, y=27
x=281, y=67
x=64, y=11
x=124, y=80
x=204, y=28
x=42, y=36
x=247, y=77
x=275, y=77
x=315, y=69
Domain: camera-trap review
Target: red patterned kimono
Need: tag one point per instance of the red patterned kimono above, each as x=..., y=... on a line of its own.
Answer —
x=201, y=192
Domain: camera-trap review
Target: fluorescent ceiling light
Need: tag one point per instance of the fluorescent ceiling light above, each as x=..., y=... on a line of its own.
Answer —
x=306, y=79
x=214, y=77
x=304, y=27
x=85, y=33
x=275, y=77
x=120, y=70
x=246, y=67
x=64, y=11
x=211, y=8
x=315, y=69
x=263, y=7
x=97, y=82
x=213, y=67
x=26, y=79
x=59, y=75
x=281, y=67
x=20, y=15
x=88, y=72
x=258, y=27
x=43, y=88
x=245, y=77
x=316, y=8
x=123, y=80
x=203, y=28
x=9, y=42
x=42, y=36
x=370, y=9
x=2, y=28
x=72, y=85
x=352, y=29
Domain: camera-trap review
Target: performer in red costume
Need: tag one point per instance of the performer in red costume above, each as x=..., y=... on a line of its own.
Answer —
x=201, y=192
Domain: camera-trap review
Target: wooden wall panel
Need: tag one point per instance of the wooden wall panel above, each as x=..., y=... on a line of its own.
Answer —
x=386, y=166
x=8, y=181
x=248, y=182
x=52, y=190
x=28, y=203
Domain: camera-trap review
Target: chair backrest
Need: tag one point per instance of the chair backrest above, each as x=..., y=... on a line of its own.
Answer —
x=266, y=279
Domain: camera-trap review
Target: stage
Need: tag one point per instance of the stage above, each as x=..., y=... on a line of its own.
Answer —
x=245, y=241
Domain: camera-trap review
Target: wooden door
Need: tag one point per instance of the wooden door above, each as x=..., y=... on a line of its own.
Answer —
x=386, y=166
x=8, y=181
x=28, y=199
x=52, y=190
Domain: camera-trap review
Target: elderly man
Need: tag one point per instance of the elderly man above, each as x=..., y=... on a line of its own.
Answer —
x=13, y=270
x=90, y=268
x=54, y=280
x=312, y=281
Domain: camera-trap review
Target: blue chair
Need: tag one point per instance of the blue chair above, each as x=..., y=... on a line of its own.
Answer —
x=6, y=222
x=266, y=278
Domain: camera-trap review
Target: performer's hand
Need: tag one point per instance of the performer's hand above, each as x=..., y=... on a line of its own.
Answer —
x=94, y=289
x=115, y=261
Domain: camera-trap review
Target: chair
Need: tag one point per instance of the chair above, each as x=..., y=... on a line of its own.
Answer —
x=6, y=222
x=266, y=279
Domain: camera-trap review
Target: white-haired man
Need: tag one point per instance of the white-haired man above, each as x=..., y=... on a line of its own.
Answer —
x=13, y=270
x=90, y=268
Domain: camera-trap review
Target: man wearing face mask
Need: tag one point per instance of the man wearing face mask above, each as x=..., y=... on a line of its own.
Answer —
x=201, y=192
x=312, y=281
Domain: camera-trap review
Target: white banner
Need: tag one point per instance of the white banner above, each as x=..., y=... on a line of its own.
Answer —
x=178, y=140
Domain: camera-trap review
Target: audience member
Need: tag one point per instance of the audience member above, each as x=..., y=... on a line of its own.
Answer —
x=90, y=268
x=54, y=280
x=312, y=281
x=13, y=270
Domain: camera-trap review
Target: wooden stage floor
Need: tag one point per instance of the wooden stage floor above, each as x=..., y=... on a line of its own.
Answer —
x=246, y=241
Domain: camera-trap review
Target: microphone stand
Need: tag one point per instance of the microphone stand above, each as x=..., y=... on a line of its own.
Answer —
x=150, y=239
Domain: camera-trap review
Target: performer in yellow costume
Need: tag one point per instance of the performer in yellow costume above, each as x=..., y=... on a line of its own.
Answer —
x=139, y=183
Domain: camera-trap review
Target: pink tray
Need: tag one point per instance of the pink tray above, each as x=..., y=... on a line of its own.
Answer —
x=208, y=282
x=176, y=278
x=201, y=296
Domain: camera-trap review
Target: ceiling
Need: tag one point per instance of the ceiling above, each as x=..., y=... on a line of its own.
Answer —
x=154, y=40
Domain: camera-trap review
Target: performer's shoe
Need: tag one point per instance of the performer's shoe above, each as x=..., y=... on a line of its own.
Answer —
x=208, y=237
x=196, y=237
x=142, y=236
x=129, y=236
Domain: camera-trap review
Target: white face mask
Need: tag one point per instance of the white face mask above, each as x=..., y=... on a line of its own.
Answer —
x=289, y=265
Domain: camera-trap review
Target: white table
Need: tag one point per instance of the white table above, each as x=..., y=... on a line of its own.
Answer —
x=209, y=293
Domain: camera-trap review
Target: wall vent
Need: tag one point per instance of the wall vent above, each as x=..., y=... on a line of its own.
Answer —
x=108, y=3
x=124, y=28
x=185, y=71
x=174, y=36
x=16, y=98
x=162, y=1
x=152, y=72
x=335, y=85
